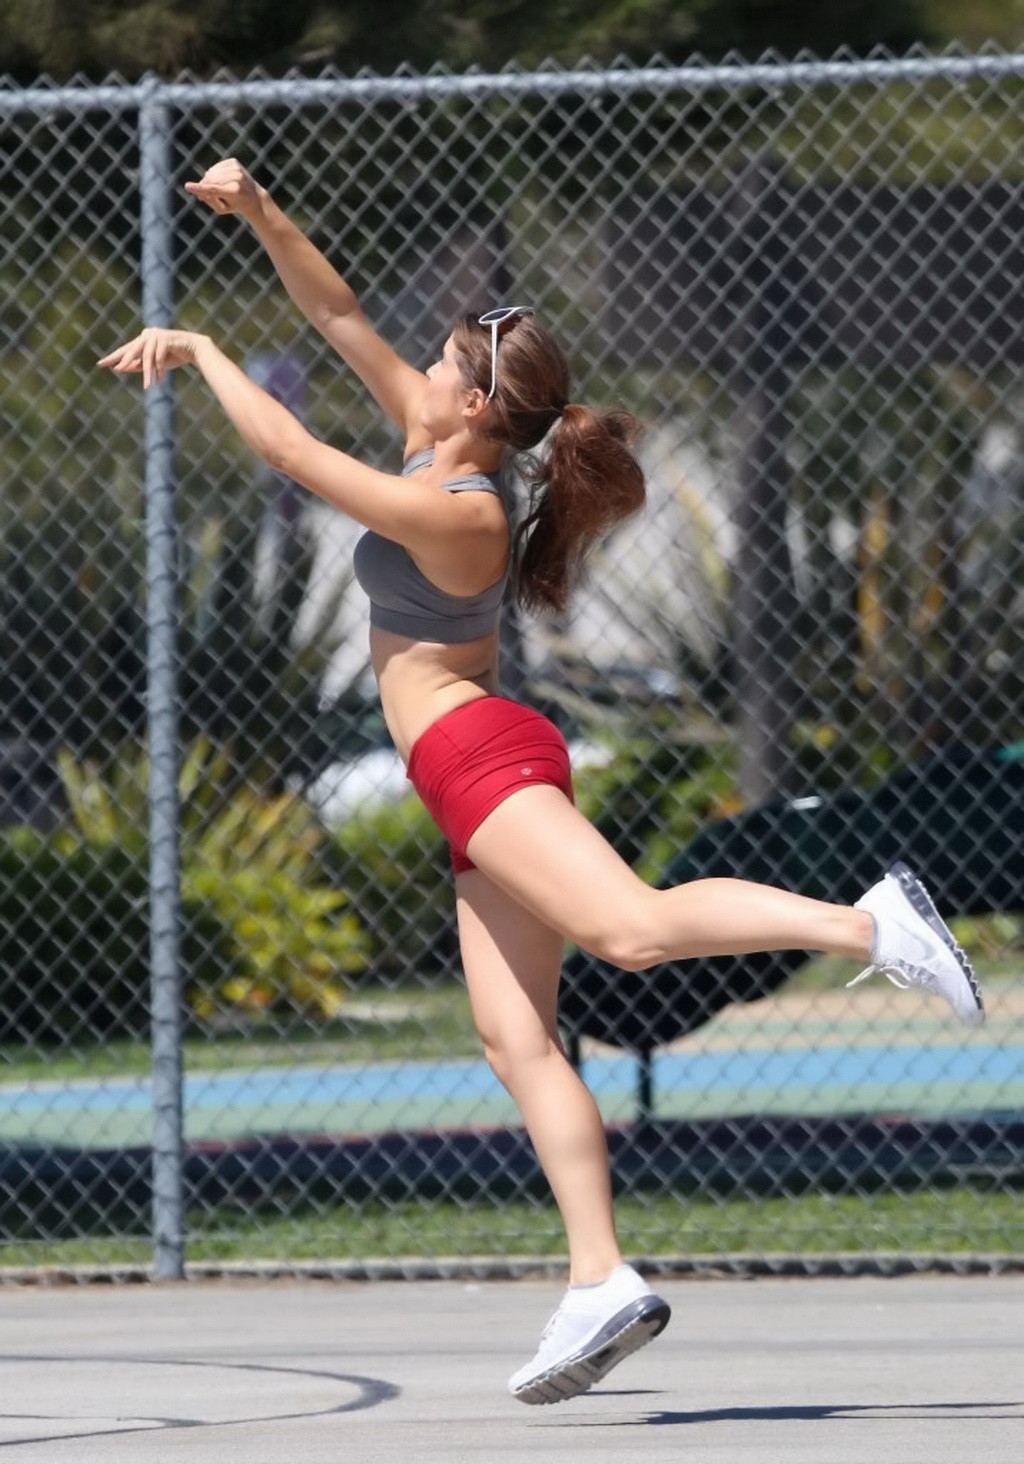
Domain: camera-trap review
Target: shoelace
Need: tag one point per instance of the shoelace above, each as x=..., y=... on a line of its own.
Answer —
x=893, y=973
x=550, y=1325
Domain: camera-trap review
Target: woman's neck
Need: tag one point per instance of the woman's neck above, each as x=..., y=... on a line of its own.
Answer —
x=463, y=453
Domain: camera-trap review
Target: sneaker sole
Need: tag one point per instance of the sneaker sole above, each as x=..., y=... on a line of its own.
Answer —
x=629, y=1330
x=921, y=903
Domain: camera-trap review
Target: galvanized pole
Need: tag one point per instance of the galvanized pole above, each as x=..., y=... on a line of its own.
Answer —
x=161, y=599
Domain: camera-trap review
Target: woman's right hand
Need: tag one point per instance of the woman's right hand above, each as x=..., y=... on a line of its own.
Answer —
x=228, y=188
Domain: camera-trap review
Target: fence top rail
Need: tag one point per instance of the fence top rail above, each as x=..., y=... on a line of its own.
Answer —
x=696, y=77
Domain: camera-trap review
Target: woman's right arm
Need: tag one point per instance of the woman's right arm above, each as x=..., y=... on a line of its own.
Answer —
x=324, y=298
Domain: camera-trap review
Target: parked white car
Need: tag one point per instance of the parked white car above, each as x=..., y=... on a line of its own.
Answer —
x=376, y=778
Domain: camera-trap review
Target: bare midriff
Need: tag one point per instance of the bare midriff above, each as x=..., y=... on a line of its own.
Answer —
x=421, y=681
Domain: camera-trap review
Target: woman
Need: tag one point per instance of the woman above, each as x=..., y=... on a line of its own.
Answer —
x=530, y=871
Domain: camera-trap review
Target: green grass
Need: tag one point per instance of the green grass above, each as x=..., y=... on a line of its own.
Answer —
x=405, y=1023
x=960, y=1221
x=416, y=1022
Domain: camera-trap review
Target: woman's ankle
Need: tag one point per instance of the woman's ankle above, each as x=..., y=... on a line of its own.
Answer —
x=593, y=1271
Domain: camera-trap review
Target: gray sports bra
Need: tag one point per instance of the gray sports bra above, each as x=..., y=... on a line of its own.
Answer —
x=404, y=601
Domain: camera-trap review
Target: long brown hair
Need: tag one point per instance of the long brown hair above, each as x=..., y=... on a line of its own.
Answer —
x=584, y=482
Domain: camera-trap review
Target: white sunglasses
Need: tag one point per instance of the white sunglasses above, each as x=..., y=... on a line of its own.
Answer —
x=496, y=319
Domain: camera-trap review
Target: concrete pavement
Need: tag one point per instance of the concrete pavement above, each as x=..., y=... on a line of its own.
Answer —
x=912, y=1370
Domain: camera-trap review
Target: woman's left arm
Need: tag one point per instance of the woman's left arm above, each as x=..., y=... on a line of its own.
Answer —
x=393, y=506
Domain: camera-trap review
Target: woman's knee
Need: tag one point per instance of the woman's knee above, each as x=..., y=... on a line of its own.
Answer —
x=510, y=1055
x=628, y=938
x=626, y=953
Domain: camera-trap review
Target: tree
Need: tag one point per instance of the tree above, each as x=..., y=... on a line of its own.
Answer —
x=95, y=37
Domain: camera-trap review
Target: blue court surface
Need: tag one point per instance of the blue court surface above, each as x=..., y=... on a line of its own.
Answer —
x=962, y=1075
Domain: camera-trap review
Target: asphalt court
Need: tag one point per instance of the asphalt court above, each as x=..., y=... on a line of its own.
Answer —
x=909, y=1370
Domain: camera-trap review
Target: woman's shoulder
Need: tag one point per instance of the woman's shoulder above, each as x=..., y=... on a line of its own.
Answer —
x=419, y=457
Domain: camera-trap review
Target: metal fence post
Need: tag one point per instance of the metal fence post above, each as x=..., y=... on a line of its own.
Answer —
x=161, y=566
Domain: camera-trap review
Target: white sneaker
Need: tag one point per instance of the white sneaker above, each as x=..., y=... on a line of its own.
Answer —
x=913, y=946
x=594, y=1328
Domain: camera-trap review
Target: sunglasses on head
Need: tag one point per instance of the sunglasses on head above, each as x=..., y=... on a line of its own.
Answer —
x=503, y=315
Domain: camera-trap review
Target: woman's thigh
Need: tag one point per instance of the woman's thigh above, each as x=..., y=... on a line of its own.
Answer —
x=548, y=858
x=512, y=962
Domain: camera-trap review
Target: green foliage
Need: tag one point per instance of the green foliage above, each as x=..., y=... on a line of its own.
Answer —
x=751, y=27
x=256, y=867
x=653, y=797
x=109, y=805
x=61, y=37
x=395, y=866
x=253, y=863
x=76, y=939
x=70, y=543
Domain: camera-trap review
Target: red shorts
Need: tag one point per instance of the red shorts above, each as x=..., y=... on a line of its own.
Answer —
x=473, y=758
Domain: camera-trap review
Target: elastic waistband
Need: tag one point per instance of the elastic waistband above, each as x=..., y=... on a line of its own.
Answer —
x=446, y=719
x=491, y=714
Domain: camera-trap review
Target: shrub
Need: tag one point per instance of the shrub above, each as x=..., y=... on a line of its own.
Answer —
x=652, y=797
x=396, y=868
x=256, y=867
x=76, y=940
x=253, y=862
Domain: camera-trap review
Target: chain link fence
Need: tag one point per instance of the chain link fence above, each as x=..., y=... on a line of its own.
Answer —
x=803, y=661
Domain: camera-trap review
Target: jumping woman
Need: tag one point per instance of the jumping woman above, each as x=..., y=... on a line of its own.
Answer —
x=530, y=871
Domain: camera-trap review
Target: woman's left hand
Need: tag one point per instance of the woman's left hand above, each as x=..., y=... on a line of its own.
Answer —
x=155, y=352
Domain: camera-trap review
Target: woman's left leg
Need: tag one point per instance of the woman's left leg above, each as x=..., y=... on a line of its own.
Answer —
x=551, y=860
x=545, y=855
x=512, y=963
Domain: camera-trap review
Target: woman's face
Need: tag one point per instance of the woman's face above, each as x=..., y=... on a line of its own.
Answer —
x=447, y=394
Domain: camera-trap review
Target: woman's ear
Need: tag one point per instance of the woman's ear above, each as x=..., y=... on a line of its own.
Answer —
x=475, y=406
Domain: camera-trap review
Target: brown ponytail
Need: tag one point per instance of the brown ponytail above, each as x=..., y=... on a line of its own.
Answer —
x=587, y=479
x=588, y=482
